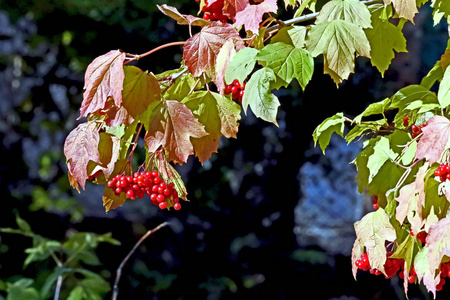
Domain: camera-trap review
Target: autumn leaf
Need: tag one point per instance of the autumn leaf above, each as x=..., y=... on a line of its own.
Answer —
x=224, y=57
x=103, y=79
x=411, y=199
x=201, y=50
x=404, y=8
x=218, y=114
x=372, y=232
x=434, y=139
x=111, y=200
x=171, y=126
x=438, y=242
x=252, y=15
x=80, y=147
x=232, y=7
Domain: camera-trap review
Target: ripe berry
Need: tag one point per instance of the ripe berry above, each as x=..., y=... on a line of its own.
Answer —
x=177, y=206
x=162, y=205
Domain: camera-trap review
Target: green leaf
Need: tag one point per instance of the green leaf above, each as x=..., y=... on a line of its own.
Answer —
x=241, y=65
x=444, y=90
x=441, y=9
x=384, y=39
x=258, y=95
x=23, y=225
x=406, y=251
x=140, y=89
x=338, y=41
x=353, y=11
x=382, y=152
x=323, y=132
x=176, y=84
x=43, y=250
x=293, y=35
x=21, y=290
x=288, y=62
x=373, y=109
x=435, y=74
x=76, y=294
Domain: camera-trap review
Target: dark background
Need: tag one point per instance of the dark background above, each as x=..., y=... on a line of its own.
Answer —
x=235, y=238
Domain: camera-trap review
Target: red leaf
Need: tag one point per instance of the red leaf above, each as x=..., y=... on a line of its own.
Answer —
x=434, y=139
x=81, y=146
x=232, y=7
x=103, y=79
x=252, y=15
x=171, y=127
x=201, y=50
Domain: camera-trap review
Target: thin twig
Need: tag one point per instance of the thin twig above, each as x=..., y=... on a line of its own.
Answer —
x=125, y=260
x=306, y=18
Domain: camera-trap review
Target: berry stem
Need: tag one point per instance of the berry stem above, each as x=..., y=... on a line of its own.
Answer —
x=130, y=156
x=139, y=56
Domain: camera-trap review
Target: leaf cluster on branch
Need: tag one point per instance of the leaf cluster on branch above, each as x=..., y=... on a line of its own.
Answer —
x=185, y=112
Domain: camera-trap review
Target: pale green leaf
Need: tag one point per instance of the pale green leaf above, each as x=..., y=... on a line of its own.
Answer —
x=258, y=95
x=241, y=65
x=353, y=11
x=339, y=41
x=444, y=90
x=322, y=133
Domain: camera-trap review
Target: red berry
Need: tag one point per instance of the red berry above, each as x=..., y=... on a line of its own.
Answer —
x=130, y=194
x=167, y=192
x=228, y=89
x=162, y=205
x=160, y=198
x=235, y=90
x=206, y=17
x=177, y=206
x=236, y=83
x=422, y=236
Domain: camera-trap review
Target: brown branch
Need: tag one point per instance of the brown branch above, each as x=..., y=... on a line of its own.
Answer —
x=125, y=260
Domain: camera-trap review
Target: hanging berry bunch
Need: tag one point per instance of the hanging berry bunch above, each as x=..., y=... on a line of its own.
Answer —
x=235, y=89
x=213, y=10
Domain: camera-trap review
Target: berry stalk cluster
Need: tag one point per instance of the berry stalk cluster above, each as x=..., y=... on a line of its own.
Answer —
x=140, y=184
x=235, y=89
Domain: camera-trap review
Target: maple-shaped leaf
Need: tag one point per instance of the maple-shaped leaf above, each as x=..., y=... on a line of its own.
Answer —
x=353, y=11
x=288, y=62
x=252, y=15
x=338, y=41
x=404, y=8
x=258, y=95
x=384, y=38
x=434, y=139
x=171, y=126
x=220, y=116
x=140, y=89
x=232, y=7
x=103, y=79
x=201, y=50
x=181, y=19
x=438, y=242
x=372, y=232
x=80, y=147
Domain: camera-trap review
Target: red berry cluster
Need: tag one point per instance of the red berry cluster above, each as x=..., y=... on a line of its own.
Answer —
x=391, y=267
x=214, y=11
x=445, y=272
x=417, y=129
x=443, y=172
x=235, y=89
x=146, y=183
